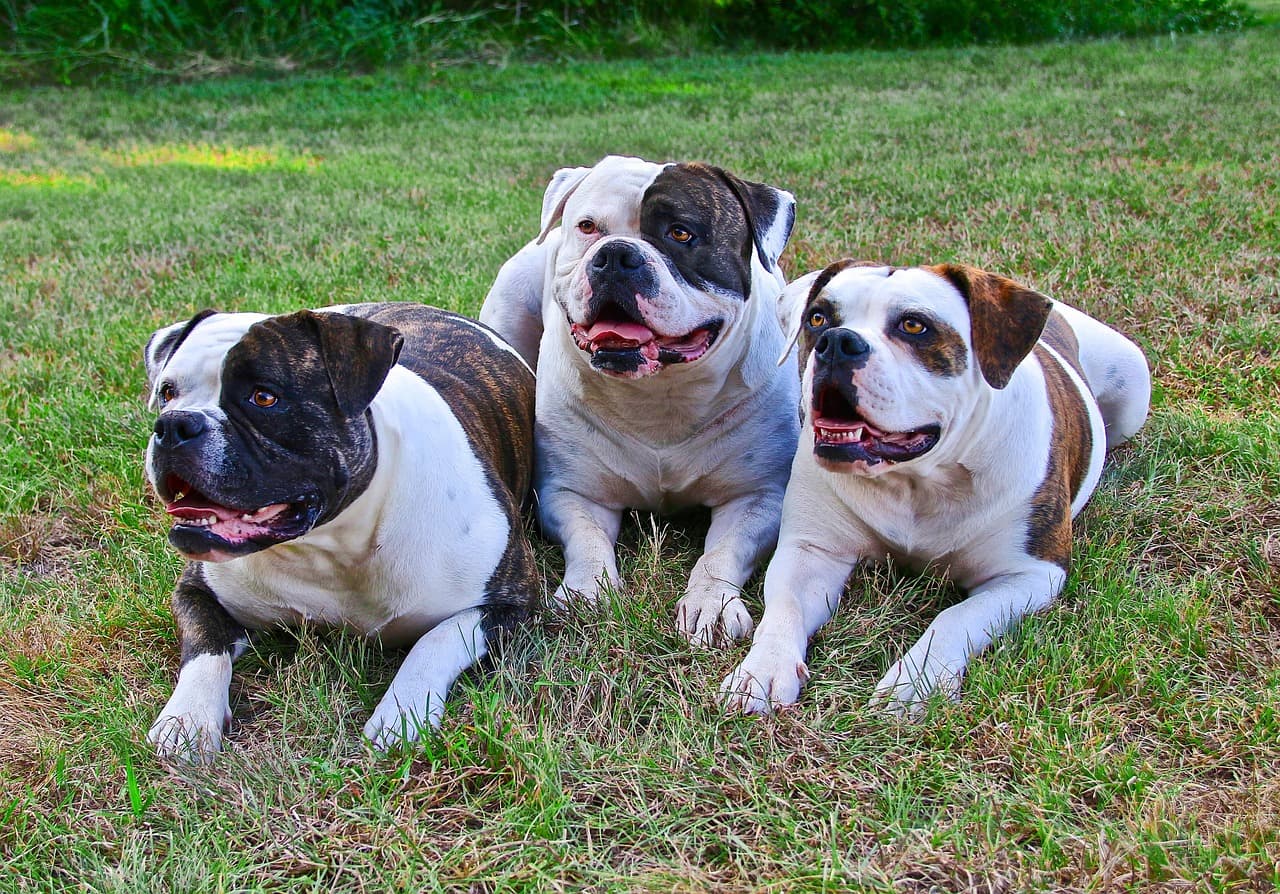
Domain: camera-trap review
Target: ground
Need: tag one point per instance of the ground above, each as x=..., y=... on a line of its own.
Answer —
x=1126, y=739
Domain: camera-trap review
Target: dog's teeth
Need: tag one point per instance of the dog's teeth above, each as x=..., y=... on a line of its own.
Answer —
x=179, y=495
x=248, y=516
x=211, y=520
x=856, y=435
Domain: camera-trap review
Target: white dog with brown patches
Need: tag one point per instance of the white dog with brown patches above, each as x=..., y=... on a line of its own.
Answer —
x=952, y=420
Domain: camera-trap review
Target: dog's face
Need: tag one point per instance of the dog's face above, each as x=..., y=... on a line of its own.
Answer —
x=261, y=433
x=892, y=359
x=655, y=262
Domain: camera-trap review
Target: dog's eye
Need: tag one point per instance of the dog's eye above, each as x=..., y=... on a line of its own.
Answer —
x=913, y=326
x=679, y=234
x=263, y=398
x=586, y=227
x=817, y=320
x=166, y=393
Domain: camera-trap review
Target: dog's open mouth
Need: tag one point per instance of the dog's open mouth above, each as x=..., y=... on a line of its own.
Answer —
x=202, y=526
x=633, y=350
x=841, y=434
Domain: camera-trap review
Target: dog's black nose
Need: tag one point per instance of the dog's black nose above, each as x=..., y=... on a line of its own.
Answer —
x=176, y=428
x=619, y=257
x=841, y=346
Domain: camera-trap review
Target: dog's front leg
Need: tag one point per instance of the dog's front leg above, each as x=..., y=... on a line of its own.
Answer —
x=415, y=699
x=741, y=532
x=191, y=724
x=801, y=591
x=938, y=659
x=588, y=533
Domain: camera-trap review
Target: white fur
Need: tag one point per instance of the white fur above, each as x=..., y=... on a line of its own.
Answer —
x=961, y=509
x=718, y=432
x=191, y=724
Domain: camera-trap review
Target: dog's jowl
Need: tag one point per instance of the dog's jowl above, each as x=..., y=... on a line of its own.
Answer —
x=952, y=420
x=647, y=303
x=362, y=467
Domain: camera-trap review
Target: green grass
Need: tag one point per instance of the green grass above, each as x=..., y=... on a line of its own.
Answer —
x=1127, y=739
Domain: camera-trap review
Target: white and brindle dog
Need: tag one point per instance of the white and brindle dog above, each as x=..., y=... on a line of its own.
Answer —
x=361, y=467
x=952, y=420
x=647, y=303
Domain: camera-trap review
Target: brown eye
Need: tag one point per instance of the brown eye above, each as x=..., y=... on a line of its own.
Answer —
x=263, y=398
x=913, y=326
x=680, y=234
x=166, y=393
x=586, y=227
x=817, y=320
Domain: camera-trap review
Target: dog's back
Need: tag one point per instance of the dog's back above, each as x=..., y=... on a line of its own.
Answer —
x=487, y=384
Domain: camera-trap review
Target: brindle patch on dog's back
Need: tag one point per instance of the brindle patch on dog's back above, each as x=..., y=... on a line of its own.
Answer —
x=1059, y=335
x=1070, y=448
x=490, y=390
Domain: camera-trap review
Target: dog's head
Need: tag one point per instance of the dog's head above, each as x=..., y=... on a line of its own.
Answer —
x=262, y=431
x=892, y=359
x=655, y=262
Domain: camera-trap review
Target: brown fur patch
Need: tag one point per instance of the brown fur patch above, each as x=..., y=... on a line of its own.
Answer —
x=489, y=390
x=1070, y=446
x=941, y=349
x=808, y=337
x=1059, y=335
x=1006, y=318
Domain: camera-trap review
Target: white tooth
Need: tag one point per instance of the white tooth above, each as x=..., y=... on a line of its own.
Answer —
x=856, y=435
x=179, y=495
x=211, y=520
x=248, y=516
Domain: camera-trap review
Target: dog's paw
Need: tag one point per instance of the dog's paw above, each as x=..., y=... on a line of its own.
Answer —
x=194, y=737
x=583, y=588
x=398, y=724
x=910, y=682
x=765, y=680
x=712, y=616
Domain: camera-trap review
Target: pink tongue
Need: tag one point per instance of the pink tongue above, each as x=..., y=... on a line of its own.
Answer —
x=195, y=508
x=620, y=331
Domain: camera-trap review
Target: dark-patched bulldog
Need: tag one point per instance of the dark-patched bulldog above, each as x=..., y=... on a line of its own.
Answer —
x=362, y=466
x=952, y=419
x=649, y=312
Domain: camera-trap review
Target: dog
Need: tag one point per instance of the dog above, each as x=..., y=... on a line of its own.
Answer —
x=952, y=420
x=647, y=305
x=363, y=467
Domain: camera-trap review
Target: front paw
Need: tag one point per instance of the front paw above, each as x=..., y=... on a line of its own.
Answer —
x=766, y=679
x=713, y=616
x=912, y=680
x=584, y=587
x=194, y=737
x=396, y=724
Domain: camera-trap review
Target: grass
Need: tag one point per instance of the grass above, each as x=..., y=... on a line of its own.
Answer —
x=1127, y=739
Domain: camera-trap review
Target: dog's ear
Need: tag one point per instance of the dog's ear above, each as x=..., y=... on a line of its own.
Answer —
x=771, y=213
x=797, y=296
x=562, y=185
x=162, y=344
x=791, y=304
x=1005, y=318
x=358, y=354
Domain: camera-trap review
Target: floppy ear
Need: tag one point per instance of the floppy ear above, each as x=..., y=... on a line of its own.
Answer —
x=163, y=342
x=357, y=354
x=791, y=304
x=771, y=212
x=796, y=297
x=1005, y=318
x=563, y=183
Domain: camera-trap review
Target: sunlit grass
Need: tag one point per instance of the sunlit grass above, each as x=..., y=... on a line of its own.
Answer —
x=203, y=155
